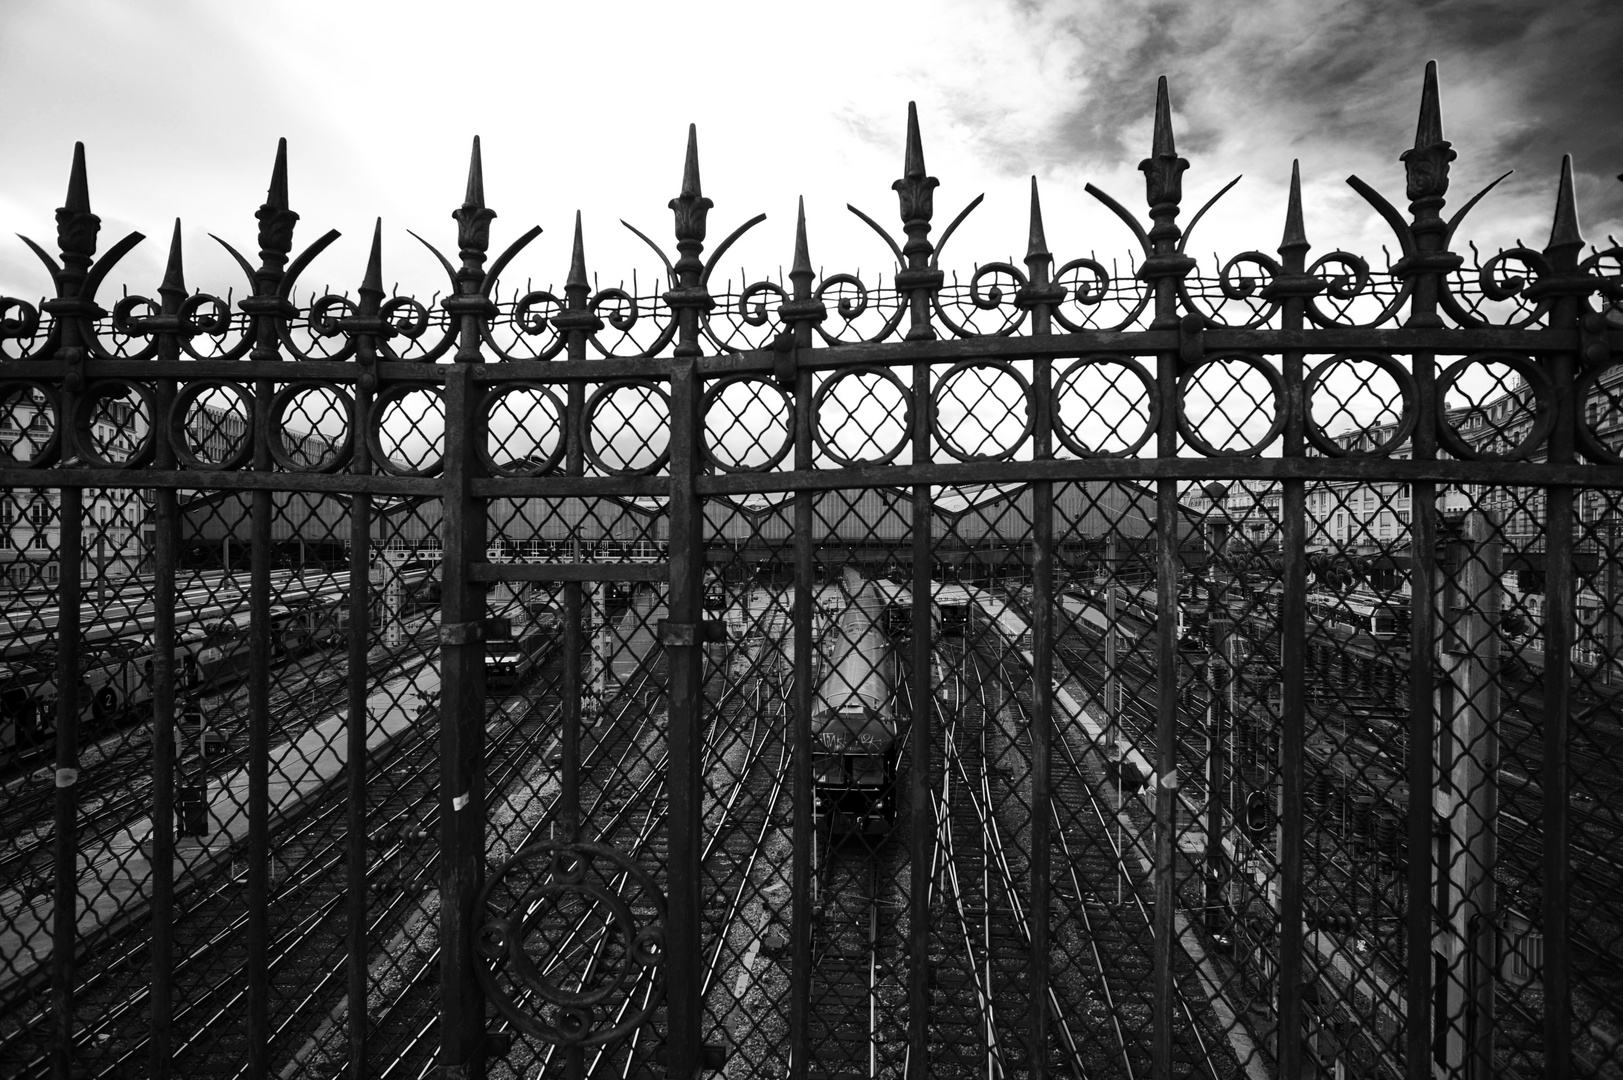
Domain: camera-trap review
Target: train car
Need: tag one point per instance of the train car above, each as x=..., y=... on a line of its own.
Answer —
x=1360, y=613
x=854, y=718
x=1143, y=603
x=957, y=616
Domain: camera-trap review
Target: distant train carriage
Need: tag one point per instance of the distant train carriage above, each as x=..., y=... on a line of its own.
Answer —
x=1362, y=613
x=854, y=717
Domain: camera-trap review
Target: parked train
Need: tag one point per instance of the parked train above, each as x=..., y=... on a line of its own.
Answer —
x=1359, y=612
x=508, y=663
x=211, y=651
x=854, y=724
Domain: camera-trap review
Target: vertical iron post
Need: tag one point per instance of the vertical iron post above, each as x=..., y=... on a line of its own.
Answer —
x=1567, y=286
x=76, y=229
x=1038, y=297
x=1426, y=169
x=919, y=280
x=358, y=720
x=578, y=322
x=689, y=299
x=462, y=654
x=1163, y=267
x=1294, y=286
x=269, y=309
x=166, y=527
x=800, y=314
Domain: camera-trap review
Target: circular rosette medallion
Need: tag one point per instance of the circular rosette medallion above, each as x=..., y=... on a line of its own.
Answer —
x=569, y=942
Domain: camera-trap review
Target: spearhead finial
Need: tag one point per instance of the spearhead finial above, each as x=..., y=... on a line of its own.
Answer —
x=1163, y=169
x=276, y=221
x=473, y=219
x=476, y=178
x=1036, y=241
x=78, y=198
x=174, y=274
x=800, y=270
x=916, y=193
x=913, y=160
x=1427, y=162
x=577, y=278
x=690, y=207
x=1566, y=242
x=372, y=281
x=76, y=226
x=690, y=165
x=1295, y=238
x=276, y=197
x=1429, y=130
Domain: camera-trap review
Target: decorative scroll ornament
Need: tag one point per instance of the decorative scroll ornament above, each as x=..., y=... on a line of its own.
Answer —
x=569, y=941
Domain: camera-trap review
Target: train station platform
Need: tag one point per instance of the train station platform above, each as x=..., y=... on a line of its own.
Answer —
x=115, y=872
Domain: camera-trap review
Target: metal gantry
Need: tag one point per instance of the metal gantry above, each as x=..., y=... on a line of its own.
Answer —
x=1263, y=622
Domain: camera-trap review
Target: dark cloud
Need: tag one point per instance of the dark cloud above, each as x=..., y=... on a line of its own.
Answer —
x=1338, y=84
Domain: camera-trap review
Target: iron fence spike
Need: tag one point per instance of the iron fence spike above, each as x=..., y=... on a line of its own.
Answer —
x=1295, y=238
x=372, y=280
x=1036, y=240
x=174, y=277
x=78, y=197
x=1429, y=128
x=1566, y=242
x=276, y=195
x=690, y=166
x=913, y=160
x=577, y=258
x=475, y=196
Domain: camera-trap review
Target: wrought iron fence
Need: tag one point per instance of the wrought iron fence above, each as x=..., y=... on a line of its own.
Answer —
x=1062, y=672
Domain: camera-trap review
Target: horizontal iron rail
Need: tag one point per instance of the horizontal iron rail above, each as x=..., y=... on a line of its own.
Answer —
x=1144, y=343
x=1498, y=473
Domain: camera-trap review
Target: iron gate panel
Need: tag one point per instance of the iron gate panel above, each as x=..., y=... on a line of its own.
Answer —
x=1062, y=673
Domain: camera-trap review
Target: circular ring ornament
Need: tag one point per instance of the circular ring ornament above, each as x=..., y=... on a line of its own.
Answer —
x=1399, y=374
x=885, y=375
x=530, y=465
x=1152, y=420
x=598, y=400
x=389, y=397
x=284, y=455
x=85, y=408
x=180, y=438
x=1595, y=450
x=712, y=396
x=1543, y=412
x=21, y=404
x=1276, y=386
x=552, y=889
x=944, y=440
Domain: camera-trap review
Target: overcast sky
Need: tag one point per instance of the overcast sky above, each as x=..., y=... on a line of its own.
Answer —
x=586, y=106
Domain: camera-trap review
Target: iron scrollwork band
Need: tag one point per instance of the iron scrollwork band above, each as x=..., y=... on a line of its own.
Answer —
x=569, y=938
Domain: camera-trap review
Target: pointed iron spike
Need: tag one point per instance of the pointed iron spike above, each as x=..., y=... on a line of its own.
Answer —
x=1564, y=234
x=276, y=197
x=174, y=276
x=78, y=184
x=373, y=279
x=577, y=259
x=802, y=259
x=1295, y=234
x=1036, y=241
x=476, y=178
x=1429, y=130
x=690, y=167
x=1162, y=145
x=913, y=163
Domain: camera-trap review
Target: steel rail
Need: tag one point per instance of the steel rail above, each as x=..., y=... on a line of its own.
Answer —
x=989, y=828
